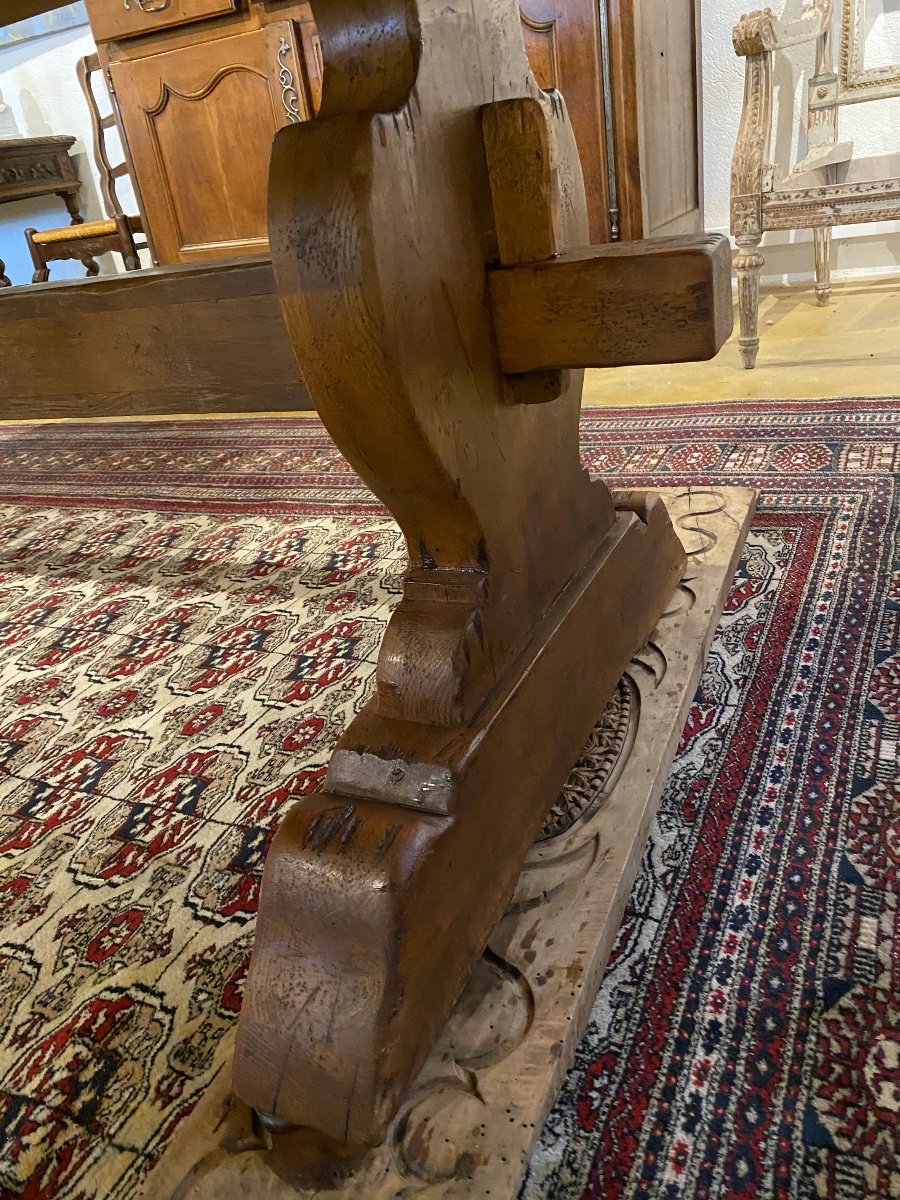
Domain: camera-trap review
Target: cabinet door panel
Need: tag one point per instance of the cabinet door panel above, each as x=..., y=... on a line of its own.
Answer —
x=667, y=53
x=562, y=41
x=199, y=122
x=124, y=18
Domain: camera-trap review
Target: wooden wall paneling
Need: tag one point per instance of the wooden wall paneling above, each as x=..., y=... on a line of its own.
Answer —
x=626, y=123
x=185, y=112
x=656, y=99
x=204, y=338
x=562, y=41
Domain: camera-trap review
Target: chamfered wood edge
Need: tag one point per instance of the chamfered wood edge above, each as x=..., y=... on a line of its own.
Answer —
x=626, y=304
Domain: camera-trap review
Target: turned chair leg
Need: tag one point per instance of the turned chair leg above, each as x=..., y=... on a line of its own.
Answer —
x=822, y=239
x=748, y=265
x=5, y=280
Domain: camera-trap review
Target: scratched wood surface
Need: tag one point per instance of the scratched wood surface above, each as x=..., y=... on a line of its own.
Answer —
x=171, y=340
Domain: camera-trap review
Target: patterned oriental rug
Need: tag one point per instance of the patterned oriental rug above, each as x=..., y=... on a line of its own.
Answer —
x=189, y=615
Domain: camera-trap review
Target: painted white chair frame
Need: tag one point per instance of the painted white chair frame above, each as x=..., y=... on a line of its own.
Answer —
x=828, y=187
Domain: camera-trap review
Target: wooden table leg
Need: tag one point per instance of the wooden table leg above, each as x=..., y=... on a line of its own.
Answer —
x=528, y=589
x=70, y=199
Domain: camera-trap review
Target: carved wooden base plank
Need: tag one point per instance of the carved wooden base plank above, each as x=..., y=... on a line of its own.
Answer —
x=472, y=1118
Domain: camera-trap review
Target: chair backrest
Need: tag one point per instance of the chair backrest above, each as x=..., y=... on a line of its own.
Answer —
x=856, y=81
x=87, y=69
x=831, y=86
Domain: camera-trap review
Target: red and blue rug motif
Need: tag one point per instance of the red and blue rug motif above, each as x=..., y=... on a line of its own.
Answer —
x=189, y=614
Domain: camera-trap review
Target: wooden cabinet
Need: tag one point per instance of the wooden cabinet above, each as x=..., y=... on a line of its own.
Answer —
x=630, y=73
x=200, y=88
x=562, y=41
x=128, y=18
x=200, y=121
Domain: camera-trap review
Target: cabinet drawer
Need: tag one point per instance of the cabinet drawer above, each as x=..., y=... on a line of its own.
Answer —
x=112, y=19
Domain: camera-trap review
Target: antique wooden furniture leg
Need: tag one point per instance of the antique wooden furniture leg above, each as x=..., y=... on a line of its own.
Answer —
x=747, y=180
x=409, y=225
x=41, y=270
x=70, y=200
x=748, y=265
x=5, y=280
x=822, y=239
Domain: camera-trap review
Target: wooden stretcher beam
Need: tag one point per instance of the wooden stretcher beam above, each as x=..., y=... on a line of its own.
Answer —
x=189, y=339
x=626, y=304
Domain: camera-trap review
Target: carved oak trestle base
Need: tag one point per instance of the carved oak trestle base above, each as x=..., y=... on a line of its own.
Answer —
x=474, y=1112
x=422, y=229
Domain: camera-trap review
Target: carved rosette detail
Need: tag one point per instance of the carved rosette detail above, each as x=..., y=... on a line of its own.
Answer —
x=746, y=215
x=290, y=98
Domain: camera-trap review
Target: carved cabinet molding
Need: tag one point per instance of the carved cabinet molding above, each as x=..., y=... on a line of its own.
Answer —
x=187, y=112
x=202, y=86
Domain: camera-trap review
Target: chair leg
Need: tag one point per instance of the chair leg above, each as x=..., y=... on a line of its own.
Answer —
x=748, y=265
x=822, y=239
x=5, y=280
x=92, y=267
x=41, y=271
x=127, y=248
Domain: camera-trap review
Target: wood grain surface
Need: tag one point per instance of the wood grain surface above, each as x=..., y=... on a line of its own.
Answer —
x=170, y=340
